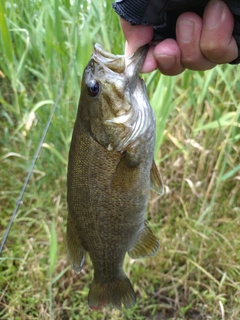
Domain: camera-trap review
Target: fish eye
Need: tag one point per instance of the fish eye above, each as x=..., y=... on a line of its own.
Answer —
x=93, y=88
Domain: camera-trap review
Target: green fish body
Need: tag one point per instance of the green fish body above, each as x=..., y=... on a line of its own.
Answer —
x=110, y=173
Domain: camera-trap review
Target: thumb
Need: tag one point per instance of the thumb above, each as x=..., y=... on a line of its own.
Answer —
x=136, y=36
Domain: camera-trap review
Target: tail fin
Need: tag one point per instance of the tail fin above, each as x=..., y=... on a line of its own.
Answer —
x=115, y=294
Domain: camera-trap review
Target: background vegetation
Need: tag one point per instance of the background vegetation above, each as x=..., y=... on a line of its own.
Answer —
x=196, y=273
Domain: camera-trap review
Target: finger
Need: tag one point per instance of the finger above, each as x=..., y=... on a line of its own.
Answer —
x=217, y=42
x=150, y=64
x=188, y=35
x=136, y=36
x=168, y=57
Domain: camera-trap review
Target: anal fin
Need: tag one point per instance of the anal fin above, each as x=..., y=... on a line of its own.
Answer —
x=145, y=245
x=75, y=250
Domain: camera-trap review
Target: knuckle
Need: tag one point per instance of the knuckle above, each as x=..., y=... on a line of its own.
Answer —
x=197, y=62
x=213, y=51
x=189, y=58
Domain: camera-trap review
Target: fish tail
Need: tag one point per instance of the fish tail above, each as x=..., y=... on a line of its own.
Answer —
x=115, y=294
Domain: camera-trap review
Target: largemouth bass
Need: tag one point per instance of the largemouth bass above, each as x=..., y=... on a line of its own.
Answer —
x=110, y=173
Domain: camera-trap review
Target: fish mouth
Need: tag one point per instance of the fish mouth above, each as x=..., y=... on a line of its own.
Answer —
x=135, y=62
x=118, y=63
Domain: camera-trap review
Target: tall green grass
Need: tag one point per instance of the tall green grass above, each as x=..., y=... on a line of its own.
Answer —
x=196, y=272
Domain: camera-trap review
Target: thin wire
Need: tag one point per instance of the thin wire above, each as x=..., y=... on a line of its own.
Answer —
x=19, y=201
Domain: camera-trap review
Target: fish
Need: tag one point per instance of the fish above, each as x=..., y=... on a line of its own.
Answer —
x=111, y=170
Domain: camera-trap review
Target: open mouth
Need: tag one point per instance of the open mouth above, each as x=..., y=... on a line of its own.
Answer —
x=114, y=62
x=118, y=63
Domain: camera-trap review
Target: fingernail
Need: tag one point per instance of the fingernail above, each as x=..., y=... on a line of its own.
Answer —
x=166, y=62
x=186, y=30
x=213, y=14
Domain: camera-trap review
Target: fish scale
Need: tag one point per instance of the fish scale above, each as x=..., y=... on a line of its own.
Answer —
x=110, y=173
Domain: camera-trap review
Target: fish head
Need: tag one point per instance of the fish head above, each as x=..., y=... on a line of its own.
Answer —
x=108, y=94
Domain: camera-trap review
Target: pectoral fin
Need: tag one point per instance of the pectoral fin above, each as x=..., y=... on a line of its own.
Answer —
x=75, y=250
x=156, y=180
x=145, y=245
x=124, y=177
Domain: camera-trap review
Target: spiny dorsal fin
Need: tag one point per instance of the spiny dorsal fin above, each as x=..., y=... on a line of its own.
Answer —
x=156, y=180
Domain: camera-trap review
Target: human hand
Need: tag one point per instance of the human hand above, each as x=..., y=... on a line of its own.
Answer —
x=200, y=43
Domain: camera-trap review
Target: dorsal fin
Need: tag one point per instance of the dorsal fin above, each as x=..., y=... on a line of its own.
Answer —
x=156, y=180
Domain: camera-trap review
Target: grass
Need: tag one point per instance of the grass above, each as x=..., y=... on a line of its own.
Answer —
x=196, y=273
